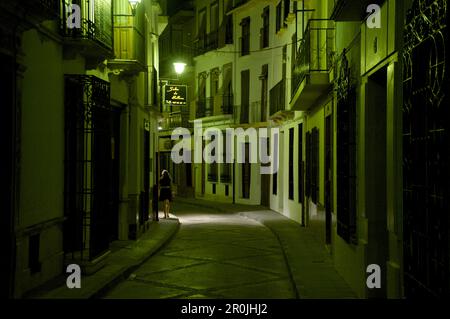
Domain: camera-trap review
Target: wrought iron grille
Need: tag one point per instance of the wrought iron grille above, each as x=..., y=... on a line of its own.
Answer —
x=206, y=43
x=96, y=21
x=88, y=167
x=426, y=155
x=346, y=153
x=278, y=97
x=227, y=104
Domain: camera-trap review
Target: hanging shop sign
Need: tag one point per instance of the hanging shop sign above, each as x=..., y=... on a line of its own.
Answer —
x=175, y=94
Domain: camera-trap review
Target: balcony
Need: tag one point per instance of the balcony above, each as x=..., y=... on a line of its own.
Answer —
x=171, y=121
x=205, y=107
x=95, y=35
x=352, y=10
x=225, y=177
x=206, y=43
x=313, y=62
x=212, y=177
x=129, y=42
x=227, y=106
x=174, y=117
x=278, y=97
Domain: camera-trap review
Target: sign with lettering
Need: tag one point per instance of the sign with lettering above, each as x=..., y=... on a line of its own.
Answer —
x=175, y=94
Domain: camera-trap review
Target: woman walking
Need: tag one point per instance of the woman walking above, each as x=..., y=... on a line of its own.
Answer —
x=165, y=194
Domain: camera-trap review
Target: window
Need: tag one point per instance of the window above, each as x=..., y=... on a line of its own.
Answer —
x=214, y=78
x=245, y=40
x=246, y=171
x=275, y=175
x=213, y=168
x=264, y=91
x=291, y=163
x=202, y=23
x=278, y=18
x=214, y=23
x=227, y=21
x=245, y=95
x=225, y=174
x=286, y=5
x=265, y=29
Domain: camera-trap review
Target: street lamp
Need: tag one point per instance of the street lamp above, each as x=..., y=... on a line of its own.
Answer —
x=179, y=67
x=134, y=4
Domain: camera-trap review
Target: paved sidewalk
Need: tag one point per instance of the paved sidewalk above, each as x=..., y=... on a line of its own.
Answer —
x=124, y=258
x=310, y=265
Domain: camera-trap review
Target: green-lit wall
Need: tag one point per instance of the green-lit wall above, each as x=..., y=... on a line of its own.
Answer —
x=42, y=159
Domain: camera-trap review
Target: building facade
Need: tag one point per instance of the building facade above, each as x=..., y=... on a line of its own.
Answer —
x=80, y=88
x=340, y=80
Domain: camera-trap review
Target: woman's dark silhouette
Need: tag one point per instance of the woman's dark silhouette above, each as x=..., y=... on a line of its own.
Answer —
x=165, y=195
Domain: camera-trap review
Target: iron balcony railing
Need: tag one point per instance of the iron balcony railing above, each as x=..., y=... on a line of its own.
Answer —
x=316, y=50
x=225, y=177
x=278, y=97
x=212, y=177
x=96, y=21
x=175, y=116
x=205, y=107
x=227, y=104
x=207, y=42
x=172, y=121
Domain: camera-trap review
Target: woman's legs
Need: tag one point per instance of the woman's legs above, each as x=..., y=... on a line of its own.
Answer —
x=166, y=208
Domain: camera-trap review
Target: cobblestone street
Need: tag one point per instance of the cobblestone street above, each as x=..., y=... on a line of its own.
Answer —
x=214, y=255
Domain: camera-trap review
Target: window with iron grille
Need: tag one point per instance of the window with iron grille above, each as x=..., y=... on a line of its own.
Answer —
x=88, y=188
x=426, y=152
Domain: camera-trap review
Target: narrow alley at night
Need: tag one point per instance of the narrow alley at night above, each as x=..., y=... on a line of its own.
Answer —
x=207, y=150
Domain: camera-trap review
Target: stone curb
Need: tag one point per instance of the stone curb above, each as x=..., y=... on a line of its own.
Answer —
x=99, y=283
